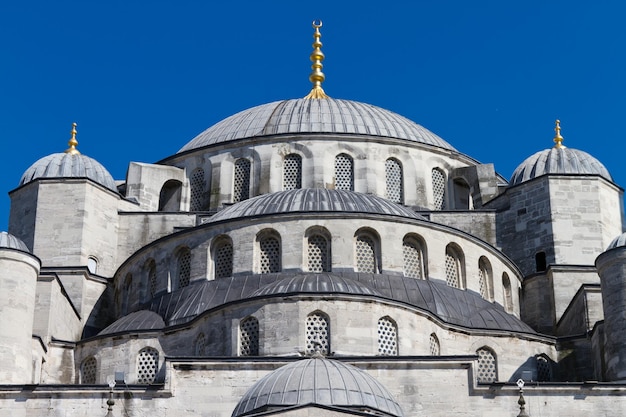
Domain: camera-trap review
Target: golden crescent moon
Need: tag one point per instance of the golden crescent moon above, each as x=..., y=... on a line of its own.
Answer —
x=317, y=25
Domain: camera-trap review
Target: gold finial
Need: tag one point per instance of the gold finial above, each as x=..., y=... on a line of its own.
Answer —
x=558, y=139
x=317, y=56
x=73, y=142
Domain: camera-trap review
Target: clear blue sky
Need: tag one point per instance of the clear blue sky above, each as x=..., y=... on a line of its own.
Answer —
x=142, y=78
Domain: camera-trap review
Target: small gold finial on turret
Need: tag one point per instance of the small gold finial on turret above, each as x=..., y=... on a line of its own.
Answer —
x=317, y=56
x=73, y=142
x=558, y=139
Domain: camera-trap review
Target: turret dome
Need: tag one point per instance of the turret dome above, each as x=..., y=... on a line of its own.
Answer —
x=11, y=242
x=618, y=242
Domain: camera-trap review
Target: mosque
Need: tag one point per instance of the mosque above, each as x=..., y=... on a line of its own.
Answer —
x=314, y=257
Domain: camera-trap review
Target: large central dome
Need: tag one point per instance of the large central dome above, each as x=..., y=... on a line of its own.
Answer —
x=326, y=115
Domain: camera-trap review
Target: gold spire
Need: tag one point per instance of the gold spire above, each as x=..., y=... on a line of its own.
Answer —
x=317, y=56
x=558, y=139
x=73, y=142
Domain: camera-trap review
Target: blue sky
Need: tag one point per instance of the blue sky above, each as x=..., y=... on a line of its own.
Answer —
x=142, y=78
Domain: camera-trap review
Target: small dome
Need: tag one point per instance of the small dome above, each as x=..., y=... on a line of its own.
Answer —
x=329, y=115
x=313, y=200
x=618, y=242
x=139, y=320
x=317, y=283
x=318, y=381
x=11, y=242
x=69, y=165
x=558, y=161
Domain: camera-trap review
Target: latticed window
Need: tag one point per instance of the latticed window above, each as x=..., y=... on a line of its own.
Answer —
x=453, y=270
x=292, y=172
x=439, y=189
x=435, y=348
x=184, y=268
x=223, y=259
x=412, y=259
x=88, y=371
x=269, y=255
x=249, y=337
x=365, y=254
x=318, y=254
x=317, y=333
x=484, y=279
x=152, y=279
x=241, y=185
x=393, y=176
x=508, y=296
x=147, y=365
x=544, y=372
x=387, y=337
x=197, y=185
x=344, y=172
x=486, y=370
x=200, y=345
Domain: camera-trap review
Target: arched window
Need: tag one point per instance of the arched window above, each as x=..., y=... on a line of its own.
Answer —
x=394, y=181
x=508, y=295
x=317, y=333
x=540, y=261
x=544, y=370
x=249, y=337
x=197, y=184
x=241, y=181
x=223, y=258
x=435, y=348
x=439, y=189
x=318, y=253
x=200, y=345
x=387, y=337
x=454, y=267
x=462, y=195
x=152, y=278
x=413, y=258
x=169, y=197
x=183, y=267
x=485, y=279
x=147, y=365
x=88, y=371
x=269, y=253
x=344, y=172
x=487, y=369
x=292, y=172
x=366, y=253
x=92, y=265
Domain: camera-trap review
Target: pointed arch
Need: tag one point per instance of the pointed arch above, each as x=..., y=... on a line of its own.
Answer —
x=317, y=333
x=439, y=189
x=413, y=251
x=487, y=366
x=394, y=181
x=197, y=185
x=222, y=255
x=249, y=337
x=455, y=266
x=268, y=252
x=387, y=337
x=485, y=278
x=147, y=365
x=344, y=172
x=292, y=172
x=241, y=180
x=89, y=371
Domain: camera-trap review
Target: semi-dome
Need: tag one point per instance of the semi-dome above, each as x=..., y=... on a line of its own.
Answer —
x=317, y=283
x=318, y=381
x=68, y=165
x=9, y=241
x=618, y=242
x=325, y=116
x=139, y=320
x=313, y=200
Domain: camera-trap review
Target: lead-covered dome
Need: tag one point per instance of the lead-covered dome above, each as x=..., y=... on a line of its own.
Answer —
x=618, y=242
x=558, y=160
x=318, y=381
x=69, y=165
x=9, y=241
x=332, y=116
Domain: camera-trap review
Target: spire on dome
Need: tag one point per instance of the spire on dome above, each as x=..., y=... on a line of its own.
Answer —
x=558, y=139
x=73, y=142
x=317, y=56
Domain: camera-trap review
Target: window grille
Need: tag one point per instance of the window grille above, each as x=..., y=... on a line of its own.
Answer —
x=435, y=348
x=292, y=172
x=482, y=274
x=88, y=371
x=344, y=172
x=152, y=281
x=544, y=373
x=387, y=337
x=318, y=254
x=487, y=370
x=223, y=258
x=200, y=345
x=439, y=189
x=147, y=364
x=269, y=249
x=393, y=175
x=197, y=185
x=412, y=259
x=365, y=254
x=317, y=334
x=508, y=296
x=452, y=269
x=184, y=268
x=241, y=188
x=249, y=337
